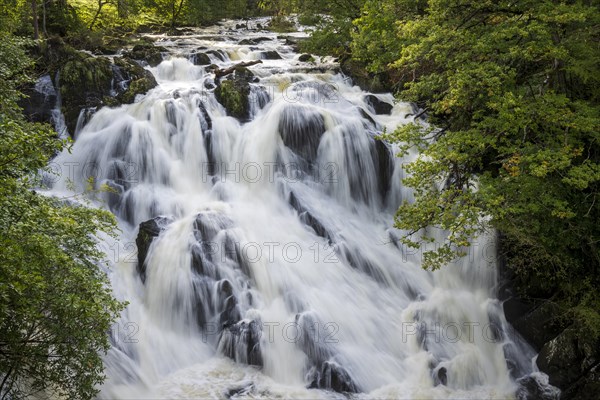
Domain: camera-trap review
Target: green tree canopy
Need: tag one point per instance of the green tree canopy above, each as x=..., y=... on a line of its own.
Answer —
x=512, y=89
x=56, y=308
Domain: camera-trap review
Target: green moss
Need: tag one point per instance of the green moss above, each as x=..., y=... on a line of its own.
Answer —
x=234, y=98
x=138, y=86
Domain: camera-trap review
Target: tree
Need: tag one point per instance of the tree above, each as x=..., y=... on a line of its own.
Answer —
x=56, y=308
x=512, y=90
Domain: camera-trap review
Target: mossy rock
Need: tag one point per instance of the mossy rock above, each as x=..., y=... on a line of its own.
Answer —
x=83, y=83
x=306, y=58
x=233, y=93
x=146, y=52
x=138, y=80
x=234, y=98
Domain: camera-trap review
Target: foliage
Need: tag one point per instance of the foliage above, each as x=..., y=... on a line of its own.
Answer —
x=513, y=88
x=332, y=33
x=55, y=305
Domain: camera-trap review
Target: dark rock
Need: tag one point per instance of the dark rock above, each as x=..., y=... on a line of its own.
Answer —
x=586, y=388
x=241, y=342
x=540, y=325
x=270, y=55
x=567, y=357
x=384, y=161
x=301, y=129
x=244, y=389
x=39, y=100
x=146, y=52
x=379, y=106
x=200, y=59
x=531, y=388
x=148, y=231
x=133, y=80
x=306, y=58
x=441, y=376
x=233, y=93
x=375, y=83
x=218, y=54
x=332, y=376
x=358, y=261
x=254, y=41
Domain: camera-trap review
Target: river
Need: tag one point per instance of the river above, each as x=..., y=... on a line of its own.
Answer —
x=272, y=267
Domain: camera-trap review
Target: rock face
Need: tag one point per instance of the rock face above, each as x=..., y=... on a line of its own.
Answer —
x=568, y=355
x=301, y=128
x=572, y=361
x=149, y=230
x=133, y=80
x=214, y=299
x=85, y=82
x=40, y=100
x=380, y=107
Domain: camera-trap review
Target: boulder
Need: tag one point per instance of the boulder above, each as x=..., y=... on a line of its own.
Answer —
x=241, y=342
x=233, y=93
x=568, y=357
x=270, y=55
x=135, y=80
x=301, y=129
x=379, y=106
x=148, y=231
x=306, y=58
x=200, y=59
x=332, y=376
x=147, y=53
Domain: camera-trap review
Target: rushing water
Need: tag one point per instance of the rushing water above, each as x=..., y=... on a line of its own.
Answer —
x=276, y=272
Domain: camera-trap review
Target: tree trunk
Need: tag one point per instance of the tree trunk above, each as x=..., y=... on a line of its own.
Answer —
x=100, y=5
x=34, y=14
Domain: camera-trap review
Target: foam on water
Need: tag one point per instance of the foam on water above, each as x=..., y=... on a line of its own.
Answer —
x=303, y=277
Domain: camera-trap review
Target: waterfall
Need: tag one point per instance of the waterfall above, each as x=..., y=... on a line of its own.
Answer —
x=258, y=257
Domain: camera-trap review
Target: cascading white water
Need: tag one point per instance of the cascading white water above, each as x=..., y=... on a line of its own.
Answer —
x=272, y=269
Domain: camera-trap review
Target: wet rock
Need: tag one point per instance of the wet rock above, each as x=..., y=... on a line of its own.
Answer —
x=384, y=161
x=244, y=389
x=301, y=129
x=332, y=376
x=375, y=83
x=200, y=59
x=440, y=376
x=241, y=342
x=379, y=106
x=39, y=100
x=532, y=387
x=134, y=80
x=567, y=357
x=233, y=93
x=270, y=55
x=254, y=41
x=219, y=54
x=586, y=388
x=208, y=224
x=148, y=231
x=306, y=58
x=147, y=53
